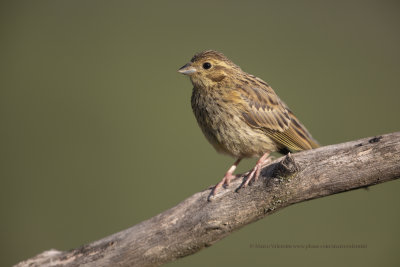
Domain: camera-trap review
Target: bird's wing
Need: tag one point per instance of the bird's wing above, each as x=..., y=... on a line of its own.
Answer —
x=264, y=110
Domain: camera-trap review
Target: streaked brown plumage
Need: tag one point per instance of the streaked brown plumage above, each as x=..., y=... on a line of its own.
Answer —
x=240, y=114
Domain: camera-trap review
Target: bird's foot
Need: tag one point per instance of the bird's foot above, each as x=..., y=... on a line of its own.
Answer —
x=225, y=181
x=255, y=172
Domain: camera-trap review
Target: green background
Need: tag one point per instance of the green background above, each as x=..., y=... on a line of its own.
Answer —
x=97, y=132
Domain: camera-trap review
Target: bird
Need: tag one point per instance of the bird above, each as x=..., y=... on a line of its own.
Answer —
x=241, y=115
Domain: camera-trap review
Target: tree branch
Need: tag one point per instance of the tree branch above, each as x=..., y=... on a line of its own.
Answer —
x=196, y=223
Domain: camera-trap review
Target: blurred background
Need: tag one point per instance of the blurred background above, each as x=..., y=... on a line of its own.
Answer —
x=97, y=133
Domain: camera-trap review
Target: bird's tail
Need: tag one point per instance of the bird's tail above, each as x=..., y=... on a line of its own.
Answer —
x=296, y=137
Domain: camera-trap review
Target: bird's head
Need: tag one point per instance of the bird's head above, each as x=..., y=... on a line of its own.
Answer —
x=209, y=68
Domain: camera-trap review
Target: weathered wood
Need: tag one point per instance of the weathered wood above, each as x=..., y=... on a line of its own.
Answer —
x=196, y=223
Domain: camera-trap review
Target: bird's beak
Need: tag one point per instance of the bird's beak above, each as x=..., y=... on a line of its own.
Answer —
x=188, y=69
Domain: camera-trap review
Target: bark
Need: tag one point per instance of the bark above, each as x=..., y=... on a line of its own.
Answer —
x=196, y=223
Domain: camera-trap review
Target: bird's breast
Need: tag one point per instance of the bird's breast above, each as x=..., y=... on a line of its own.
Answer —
x=222, y=124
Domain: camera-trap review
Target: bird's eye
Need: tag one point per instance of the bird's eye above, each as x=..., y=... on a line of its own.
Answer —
x=206, y=65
